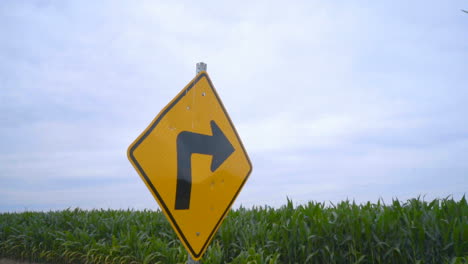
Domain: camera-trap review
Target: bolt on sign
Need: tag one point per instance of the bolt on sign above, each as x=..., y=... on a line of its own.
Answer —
x=193, y=162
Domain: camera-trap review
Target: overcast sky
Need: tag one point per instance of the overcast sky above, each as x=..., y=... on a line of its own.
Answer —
x=333, y=100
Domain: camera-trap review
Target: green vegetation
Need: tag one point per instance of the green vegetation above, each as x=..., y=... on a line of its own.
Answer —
x=411, y=232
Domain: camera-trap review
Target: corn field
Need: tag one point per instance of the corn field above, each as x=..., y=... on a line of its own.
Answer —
x=414, y=231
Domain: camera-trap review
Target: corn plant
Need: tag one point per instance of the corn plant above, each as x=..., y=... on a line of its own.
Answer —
x=414, y=231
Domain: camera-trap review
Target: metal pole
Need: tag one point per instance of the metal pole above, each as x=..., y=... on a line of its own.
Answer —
x=191, y=261
x=201, y=66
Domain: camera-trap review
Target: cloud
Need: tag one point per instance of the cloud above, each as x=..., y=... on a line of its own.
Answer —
x=331, y=100
x=130, y=195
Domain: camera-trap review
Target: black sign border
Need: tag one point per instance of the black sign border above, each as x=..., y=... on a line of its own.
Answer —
x=150, y=184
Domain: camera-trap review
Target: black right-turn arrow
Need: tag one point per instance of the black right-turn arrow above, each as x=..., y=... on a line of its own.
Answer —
x=188, y=143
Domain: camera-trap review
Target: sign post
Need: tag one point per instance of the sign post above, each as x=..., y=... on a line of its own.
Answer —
x=201, y=66
x=193, y=162
x=190, y=260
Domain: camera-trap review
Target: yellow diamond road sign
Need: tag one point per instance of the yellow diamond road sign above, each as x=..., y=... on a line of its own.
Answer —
x=193, y=162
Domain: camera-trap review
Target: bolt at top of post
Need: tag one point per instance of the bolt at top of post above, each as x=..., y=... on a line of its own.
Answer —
x=201, y=66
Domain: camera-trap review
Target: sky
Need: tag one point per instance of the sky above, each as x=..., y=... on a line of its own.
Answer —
x=333, y=100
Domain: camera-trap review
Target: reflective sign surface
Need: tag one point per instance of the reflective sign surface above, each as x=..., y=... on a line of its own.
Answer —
x=193, y=162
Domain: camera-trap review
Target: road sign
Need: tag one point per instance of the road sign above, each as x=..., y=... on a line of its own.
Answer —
x=193, y=162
